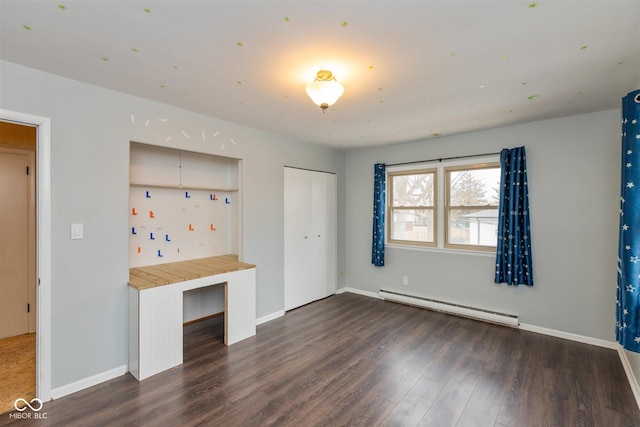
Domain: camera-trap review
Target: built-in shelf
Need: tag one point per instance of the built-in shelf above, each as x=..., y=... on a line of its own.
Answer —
x=183, y=187
x=183, y=205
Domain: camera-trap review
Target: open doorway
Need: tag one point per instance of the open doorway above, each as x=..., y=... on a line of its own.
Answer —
x=43, y=251
x=18, y=145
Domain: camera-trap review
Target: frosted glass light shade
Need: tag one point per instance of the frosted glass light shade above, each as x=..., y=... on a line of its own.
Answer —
x=322, y=92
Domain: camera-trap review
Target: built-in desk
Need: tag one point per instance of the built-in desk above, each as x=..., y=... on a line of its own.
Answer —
x=155, y=308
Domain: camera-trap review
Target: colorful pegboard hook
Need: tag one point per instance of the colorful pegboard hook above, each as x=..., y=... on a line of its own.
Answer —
x=159, y=253
x=151, y=236
x=133, y=230
x=151, y=215
x=186, y=195
x=133, y=211
x=211, y=227
x=147, y=195
x=191, y=227
x=166, y=238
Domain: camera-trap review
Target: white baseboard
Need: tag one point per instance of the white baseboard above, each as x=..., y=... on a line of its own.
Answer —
x=65, y=390
x=569, y=336
x=269, y=317
x=633, y=381
x=359, y=292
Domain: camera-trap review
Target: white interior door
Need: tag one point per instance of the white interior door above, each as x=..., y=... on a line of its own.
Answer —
x=16, y=278
x=310, y=236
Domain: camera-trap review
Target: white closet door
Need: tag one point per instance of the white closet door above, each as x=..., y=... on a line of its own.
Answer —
x=323, y=233
x=297, y=210
x=310, y=236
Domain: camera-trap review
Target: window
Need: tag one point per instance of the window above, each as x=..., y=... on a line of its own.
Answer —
x=465, y=194
x=412, y=207
x=472, y=199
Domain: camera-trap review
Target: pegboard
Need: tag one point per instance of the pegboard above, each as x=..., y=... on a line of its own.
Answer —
x=168, y=225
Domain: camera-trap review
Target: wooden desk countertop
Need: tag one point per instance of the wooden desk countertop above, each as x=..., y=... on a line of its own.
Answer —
x=165, y=274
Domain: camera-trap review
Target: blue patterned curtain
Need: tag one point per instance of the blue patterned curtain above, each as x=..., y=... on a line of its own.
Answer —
x=379, y=198
x=628, y=291
x=514, y=265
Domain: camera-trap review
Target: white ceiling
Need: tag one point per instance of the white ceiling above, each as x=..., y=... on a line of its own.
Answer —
x=411, y=69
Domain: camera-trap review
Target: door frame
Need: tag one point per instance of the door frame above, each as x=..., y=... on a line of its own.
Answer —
x=43, y=246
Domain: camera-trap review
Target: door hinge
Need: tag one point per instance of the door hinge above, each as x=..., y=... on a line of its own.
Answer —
x=27, y=170
x=28, y=308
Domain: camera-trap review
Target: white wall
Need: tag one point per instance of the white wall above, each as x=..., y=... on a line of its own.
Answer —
x=91, y=131
x=573, y=170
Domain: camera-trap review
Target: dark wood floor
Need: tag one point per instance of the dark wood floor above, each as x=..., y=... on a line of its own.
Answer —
x=353, y=360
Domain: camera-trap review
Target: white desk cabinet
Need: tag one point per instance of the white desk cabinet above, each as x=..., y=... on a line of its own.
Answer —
x=155, y=308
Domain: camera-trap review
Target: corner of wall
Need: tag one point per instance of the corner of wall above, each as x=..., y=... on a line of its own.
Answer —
x=628, y=369
x=84, y=383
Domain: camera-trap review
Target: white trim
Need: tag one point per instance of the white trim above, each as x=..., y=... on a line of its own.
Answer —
x=84, y=383
x=633, y=381
x=359, y=292
x=269, y=317
x=569, y=336
x=43, y=273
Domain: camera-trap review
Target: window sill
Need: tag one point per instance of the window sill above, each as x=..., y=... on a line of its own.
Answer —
x=440, y=250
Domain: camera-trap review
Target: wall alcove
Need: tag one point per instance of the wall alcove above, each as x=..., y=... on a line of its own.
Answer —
x=184, y=205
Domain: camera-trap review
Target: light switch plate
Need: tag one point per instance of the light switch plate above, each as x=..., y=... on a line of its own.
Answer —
x=77, y=231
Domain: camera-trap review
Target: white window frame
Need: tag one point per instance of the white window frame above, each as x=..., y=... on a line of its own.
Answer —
x=440, y=204
x=390, y=208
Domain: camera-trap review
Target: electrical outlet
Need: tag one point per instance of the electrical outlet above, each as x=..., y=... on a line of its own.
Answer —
x=405, y=280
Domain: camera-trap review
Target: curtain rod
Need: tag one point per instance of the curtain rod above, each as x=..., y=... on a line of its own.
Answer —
x=440, y=159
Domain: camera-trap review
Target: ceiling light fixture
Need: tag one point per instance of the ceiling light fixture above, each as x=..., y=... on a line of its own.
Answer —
x=324, y=91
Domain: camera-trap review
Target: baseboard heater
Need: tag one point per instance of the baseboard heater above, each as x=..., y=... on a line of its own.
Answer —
x=451, y=308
